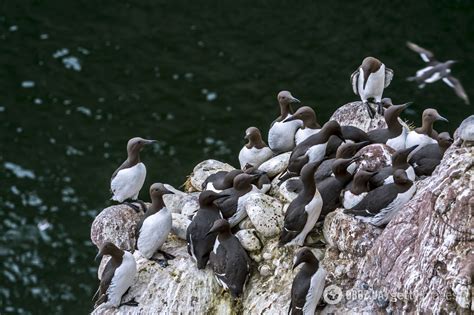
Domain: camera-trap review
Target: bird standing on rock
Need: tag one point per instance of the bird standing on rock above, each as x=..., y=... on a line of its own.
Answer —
x=255, y=152
x=153, y=229
x=308, y=284
x=229, y=260
x=118, y=275
x=310, y=125
x=369, y=81
x=425, y=134
x=281, y=136
x=200, y=242
x=435, y=71
x=129, y=178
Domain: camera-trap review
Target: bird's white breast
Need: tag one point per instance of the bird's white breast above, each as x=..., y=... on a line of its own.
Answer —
x=303, y=134
x=420, y=139
x=154, y=232
x=398, y=143
x=128, y=182
x=315, y=291
x=374, y=86
x=254, y=156
x=350, y=200
x=313, y=210
x=316, y=152
x=122, y=279
x=281, y=136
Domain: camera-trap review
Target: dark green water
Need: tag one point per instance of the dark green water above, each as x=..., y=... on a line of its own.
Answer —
x=78, y=78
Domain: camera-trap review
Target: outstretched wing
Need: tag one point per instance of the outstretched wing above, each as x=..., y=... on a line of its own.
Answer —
x=388, y=76
x=355, y=80
x=456, y=85
x=425, y=54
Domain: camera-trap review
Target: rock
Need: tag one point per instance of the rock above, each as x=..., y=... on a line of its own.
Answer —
x=266, y=214
x=375, y=156
x=180, y=225
x=275, y=165
x=202, y=171
x=249, y=240
x=246, y=224
x=183, y=203
x=116, y=224
x=281, y=192
x=355, y=114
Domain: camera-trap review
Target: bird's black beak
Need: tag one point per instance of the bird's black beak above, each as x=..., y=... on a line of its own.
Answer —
x=410, y=149
x=294, y=101
x=212, y=230
x=439, y=117
x=147, y=142
x=290, y=118
x=298, y=261
x=246, y=136
x=98, y=257
x=340, y=136
x=407, y=104
x=356, y=158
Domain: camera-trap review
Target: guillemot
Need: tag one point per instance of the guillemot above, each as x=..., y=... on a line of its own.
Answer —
x=359, y=187
x=200, y=242
x=154, y=228
x=221, y=180
x=435, y=71
x=303, y=212
x=399, y=161
x=369, y=81
x=229, y=260
x=350, y=134
x=308, y=284
x=310, y=125
x=313, y=149
x=425, y=160
x=466, y=131
x=395, y=134
x=231, y=206
x=255, y=152
x=118, y=275
x=128, y=179
x=380, y=205
x=281, y=136
x=425, y=134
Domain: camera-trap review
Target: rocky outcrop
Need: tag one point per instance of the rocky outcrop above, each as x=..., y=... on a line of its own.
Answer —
x=421, y=262
x=355, y=114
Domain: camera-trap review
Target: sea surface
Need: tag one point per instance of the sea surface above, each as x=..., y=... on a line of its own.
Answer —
x=79, y=78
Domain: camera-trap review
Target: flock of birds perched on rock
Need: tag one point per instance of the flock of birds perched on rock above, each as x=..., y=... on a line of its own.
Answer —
x=325, y=169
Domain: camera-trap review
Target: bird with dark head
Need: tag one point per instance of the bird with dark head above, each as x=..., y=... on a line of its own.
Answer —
x=425, y=134
x=255, y=152
x=310, y=124
x=220, y=180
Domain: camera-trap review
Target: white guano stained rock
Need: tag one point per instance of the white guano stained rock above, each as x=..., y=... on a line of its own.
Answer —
x=356, y=114
x=249, y=240
x=180, y=225
x=275, y=165
x=266, y=214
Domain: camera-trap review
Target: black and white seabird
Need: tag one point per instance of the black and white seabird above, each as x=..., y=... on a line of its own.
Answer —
x=221, y=180
x=313, y=149
x=425, y=160
x=231, y=206
x=200, y=242
x=395, y=134
x=308, y=284
x=229, y=260
x=425, y=134
x=118, y=275
x=435, y=71
x=128, y=179
x=358, y=189
x=255, y=152
x=303, y=212
x=369, y=81
x=380, y=205
x=310, y=125
x=281, y=136
x=399, y=161
x=154, y=228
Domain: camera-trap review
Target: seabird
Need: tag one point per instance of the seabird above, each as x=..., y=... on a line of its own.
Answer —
x=425, y=134
x=221, y=180
x=466, y=131
x=118, y=275
x=128, y=179
x=395, y=134
x=435, y=71
x=359, y=187
x=310, y=125
x=349, y=133
x=231, y=206
x=281, y=136
x=255, y=152
x=153, y=229
x=200, y=242
x=369, y=81
x=303, y=212
x=308, y=284
x=380, y=205
x=425, y=160
x=313, y=149
x=399, y=161
x=229, y=260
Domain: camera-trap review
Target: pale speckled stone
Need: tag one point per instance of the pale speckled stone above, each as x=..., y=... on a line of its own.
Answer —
x=280, y=192
x=208, y=167
x=184, y=203
x=375, y=157
x=265, y=212
x=275, y=165
x=249, y=240
x=356, y=114
x=246, y=224
x=180, y=225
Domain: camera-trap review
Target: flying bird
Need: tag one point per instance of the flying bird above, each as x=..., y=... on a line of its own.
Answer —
x=435, y=71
